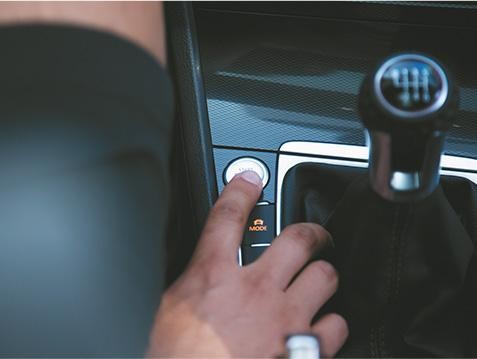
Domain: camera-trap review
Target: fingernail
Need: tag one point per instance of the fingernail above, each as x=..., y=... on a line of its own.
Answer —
x=252, y=177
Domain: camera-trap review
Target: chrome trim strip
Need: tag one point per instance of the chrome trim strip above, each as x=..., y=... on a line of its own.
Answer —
x=286, y=162
x=260, y=245
x=469, y=175
x=240, y=263
x=451, y=165
x=464, y=164
x=326, y=149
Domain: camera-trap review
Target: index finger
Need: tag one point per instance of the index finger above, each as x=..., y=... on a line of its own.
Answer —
x=223, y=230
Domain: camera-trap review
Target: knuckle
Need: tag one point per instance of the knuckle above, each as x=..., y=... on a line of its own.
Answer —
x=290, y=318
x=261, y=283
x=304, y=234
x=210, y=274
x=228, y=210
x=259, y=280
x=295, y=318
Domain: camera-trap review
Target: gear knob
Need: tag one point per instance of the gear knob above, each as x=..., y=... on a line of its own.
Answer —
x=407, y=104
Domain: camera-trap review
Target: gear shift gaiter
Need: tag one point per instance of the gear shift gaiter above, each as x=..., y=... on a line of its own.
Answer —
x=408, y=273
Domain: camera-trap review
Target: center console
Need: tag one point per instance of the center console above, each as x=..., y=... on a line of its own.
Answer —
x=275, y=88
x=281, y=84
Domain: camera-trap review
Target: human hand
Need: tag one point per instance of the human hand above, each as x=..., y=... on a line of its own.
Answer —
x=219, y=309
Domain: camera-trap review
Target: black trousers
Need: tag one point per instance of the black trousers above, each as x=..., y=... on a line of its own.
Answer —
x=85, y=122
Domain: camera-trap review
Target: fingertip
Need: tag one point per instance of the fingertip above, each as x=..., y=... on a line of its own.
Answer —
x=322, y=232
x=341, y=324
x=250, y=177
x=332, y=331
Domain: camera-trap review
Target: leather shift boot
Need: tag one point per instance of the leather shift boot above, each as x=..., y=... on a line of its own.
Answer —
x=408, y=274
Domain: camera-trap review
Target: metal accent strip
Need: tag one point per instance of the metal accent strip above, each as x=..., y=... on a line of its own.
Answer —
x=351, y=156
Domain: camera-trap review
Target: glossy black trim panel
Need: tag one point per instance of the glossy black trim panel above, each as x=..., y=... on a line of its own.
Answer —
x=403, y=12
x=192, y=108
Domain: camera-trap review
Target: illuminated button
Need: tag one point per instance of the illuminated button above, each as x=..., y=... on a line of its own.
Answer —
x=260, y=226
x=259, y=232
x=247, y=164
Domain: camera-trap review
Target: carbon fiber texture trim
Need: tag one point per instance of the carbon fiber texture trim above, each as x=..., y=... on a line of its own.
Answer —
x=270, y=79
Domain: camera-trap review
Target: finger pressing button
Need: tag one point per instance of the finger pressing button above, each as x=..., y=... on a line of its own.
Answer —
x=246, y=164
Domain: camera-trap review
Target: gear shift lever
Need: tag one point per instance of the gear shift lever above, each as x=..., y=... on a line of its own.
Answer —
x=408, y=272
x=407, y=105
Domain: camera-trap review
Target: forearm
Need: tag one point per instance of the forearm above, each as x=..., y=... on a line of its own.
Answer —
x=139, y=22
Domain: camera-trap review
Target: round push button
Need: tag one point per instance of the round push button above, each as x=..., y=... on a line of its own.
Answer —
x=246, y=164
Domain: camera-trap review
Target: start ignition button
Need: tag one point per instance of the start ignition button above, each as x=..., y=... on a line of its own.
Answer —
x=242, y=164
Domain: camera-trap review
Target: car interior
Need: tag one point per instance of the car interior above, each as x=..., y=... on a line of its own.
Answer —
x=359, y=116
